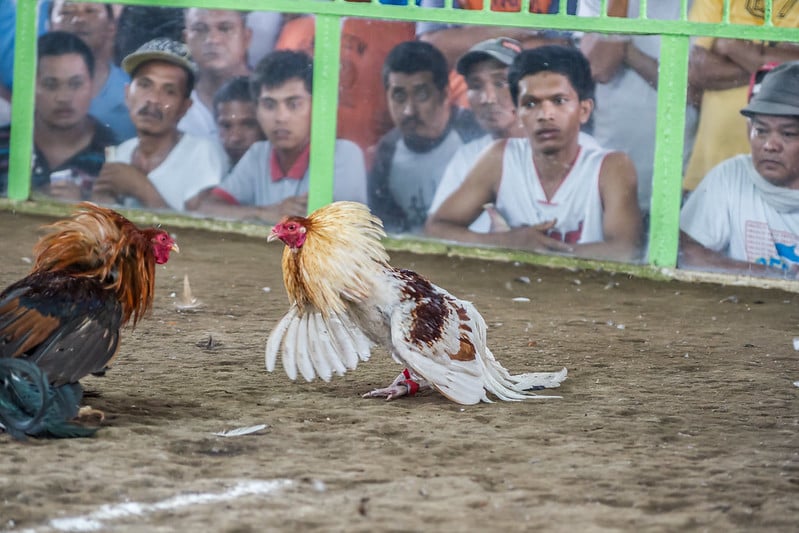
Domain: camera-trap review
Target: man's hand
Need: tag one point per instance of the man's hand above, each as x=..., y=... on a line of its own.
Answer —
x=293, y=206
x=66, y=190
x=119, y=179
x=535, y=238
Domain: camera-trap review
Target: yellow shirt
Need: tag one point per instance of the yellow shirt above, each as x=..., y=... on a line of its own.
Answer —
x=722, y=131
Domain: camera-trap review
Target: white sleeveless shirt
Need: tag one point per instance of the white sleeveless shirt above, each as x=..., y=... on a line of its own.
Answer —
x=576, y=204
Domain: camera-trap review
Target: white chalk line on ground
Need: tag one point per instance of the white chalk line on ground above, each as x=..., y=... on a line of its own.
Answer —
x=95, y=520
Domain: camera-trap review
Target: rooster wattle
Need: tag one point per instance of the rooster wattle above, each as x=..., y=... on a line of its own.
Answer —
x=345, y=297
x=93, y=273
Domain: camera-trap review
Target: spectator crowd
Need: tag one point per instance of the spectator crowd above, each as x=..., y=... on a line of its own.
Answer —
x=527, y=139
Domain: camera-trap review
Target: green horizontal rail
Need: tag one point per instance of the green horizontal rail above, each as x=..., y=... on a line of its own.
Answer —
x=671, y=100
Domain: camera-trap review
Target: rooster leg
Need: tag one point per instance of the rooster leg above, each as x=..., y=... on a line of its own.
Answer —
x=406, y=384
x=86, y=412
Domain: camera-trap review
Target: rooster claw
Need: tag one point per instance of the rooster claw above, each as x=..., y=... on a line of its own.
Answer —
x=389, y=393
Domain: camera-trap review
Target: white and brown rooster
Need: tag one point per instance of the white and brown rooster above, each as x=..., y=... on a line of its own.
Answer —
x=345, y=297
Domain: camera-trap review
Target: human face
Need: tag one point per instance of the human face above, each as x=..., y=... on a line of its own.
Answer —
x=775, y=149
x=416, y=106
x=218, y=40
x=156, y=97
x=63, y=91
x=551, y=112
x=238, y=127
x=87, y=20
x=284, y=113
x=489, y=97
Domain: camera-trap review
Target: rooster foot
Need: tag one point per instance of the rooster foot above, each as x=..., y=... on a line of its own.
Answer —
x=87, y=413
x=391, y=392
x=406, y=384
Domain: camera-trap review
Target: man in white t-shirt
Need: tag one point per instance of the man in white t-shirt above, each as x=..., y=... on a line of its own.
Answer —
x=218, y=40
x=162, y=167
x=555, y=194
x=271, y=179
x=743, y=218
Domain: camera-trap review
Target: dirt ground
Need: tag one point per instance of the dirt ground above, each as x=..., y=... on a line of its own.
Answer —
x=680, y=412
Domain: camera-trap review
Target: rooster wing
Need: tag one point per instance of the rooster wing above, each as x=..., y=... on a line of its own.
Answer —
x=68, y=326
x=443, y=339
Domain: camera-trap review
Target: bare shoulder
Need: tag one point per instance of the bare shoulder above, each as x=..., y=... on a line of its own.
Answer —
x=617, y=171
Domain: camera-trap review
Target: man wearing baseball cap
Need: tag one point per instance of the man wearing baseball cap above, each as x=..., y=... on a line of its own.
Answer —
x=162, y=167
x=743, y=218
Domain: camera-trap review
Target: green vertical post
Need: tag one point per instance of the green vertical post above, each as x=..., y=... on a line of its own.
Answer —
x=19, y=164
x=325, y=108
x=667, y=179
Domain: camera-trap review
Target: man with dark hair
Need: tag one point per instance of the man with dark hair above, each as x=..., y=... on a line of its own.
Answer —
x=96, y=26
x=162, y=167
x=271, y=179
x=485, y=69
x=68, y=143
x=555, y=194
x=234, y=112
x=411, y=158
x=218, y=40
x=743, y=218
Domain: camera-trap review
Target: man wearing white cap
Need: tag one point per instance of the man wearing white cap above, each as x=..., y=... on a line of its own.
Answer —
x=162, y=167
x=743, y=218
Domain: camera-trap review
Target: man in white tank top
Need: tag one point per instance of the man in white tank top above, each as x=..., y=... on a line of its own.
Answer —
x=556, y=195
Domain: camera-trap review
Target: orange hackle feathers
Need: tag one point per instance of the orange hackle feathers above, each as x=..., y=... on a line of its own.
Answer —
x=100, y=243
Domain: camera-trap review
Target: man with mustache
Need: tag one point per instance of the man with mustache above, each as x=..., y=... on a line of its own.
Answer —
x=555, y=194
x=162, y=167
x=410, y=159
x=743, y=217
x=68, y=143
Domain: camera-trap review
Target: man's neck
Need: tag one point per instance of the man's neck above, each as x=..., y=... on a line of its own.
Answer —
x=152, y=150
x=209, y=82
x=59, y=145
x=552, y=168
x=102, y=69
x=287, y=158
x=74, y=136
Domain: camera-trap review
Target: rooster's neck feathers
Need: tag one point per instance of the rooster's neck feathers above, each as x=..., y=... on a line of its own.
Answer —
x=340, y=259
x=100, y=243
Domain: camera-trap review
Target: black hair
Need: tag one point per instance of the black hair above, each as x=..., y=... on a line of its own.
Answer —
x=411, y=57
x=233, y=90
x=59, y=43
x=280, y=66
x=569, y=62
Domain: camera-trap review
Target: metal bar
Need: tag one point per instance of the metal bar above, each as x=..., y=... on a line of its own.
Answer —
x=667, y=179
x=21, y=142
x=325, y=106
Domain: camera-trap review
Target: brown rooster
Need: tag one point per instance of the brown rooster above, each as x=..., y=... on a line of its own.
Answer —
x=345, y=296
x=93, y=273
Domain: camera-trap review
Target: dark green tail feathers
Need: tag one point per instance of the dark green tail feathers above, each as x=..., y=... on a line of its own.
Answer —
x=30, y=406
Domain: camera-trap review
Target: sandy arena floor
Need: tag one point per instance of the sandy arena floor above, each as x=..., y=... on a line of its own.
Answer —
x=680, y=413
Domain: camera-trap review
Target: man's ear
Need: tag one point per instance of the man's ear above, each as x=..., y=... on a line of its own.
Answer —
x=586, y=108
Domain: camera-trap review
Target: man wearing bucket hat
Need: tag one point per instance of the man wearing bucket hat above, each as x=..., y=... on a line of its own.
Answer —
x=162, y=167
x=743, y=218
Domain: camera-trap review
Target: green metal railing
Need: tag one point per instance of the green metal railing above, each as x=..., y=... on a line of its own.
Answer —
x=676, y=34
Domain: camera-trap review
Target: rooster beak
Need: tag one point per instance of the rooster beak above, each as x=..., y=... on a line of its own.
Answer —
x=272, y=236
x=175, y=248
